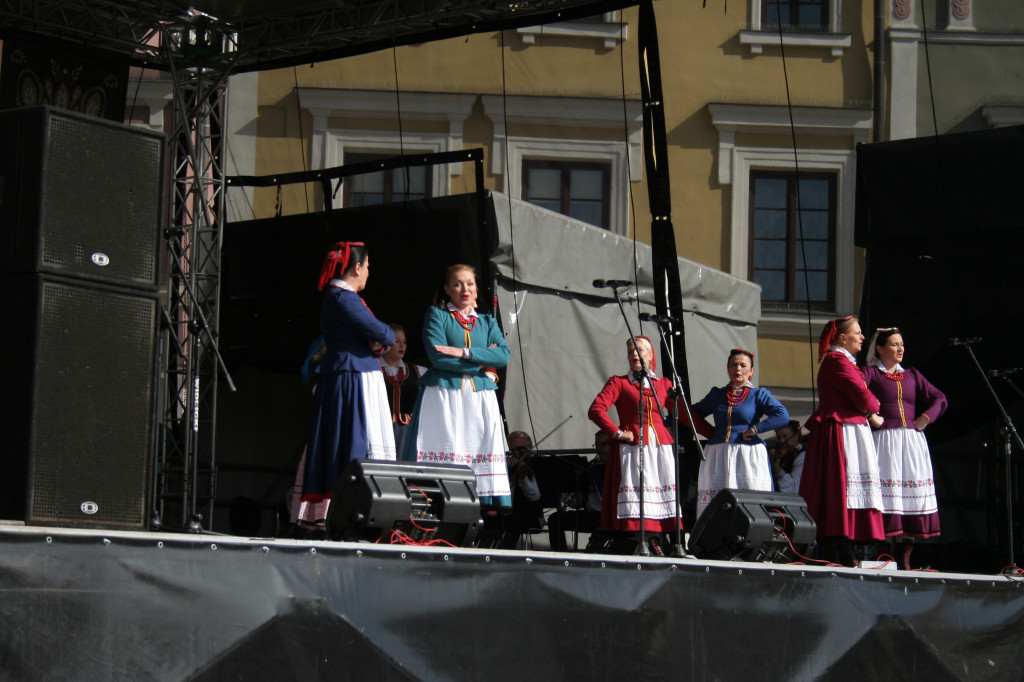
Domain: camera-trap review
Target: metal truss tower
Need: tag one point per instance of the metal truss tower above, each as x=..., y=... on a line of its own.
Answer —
x=185, y=481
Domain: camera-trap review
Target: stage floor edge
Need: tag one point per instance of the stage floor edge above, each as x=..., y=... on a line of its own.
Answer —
x=103, y=604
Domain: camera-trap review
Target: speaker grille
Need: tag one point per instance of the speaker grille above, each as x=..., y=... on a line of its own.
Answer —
x=92, y=413
x=102, y=197
x=79, y=197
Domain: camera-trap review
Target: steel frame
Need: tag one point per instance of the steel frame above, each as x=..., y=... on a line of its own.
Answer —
x=186, y=483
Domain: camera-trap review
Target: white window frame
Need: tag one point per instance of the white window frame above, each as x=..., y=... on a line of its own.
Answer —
x=625, y=158
x=735, y=163
x=833, y=40
x=607, y=30
x=328, y=145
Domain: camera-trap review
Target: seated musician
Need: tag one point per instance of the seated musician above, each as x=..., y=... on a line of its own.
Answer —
x=527, y=512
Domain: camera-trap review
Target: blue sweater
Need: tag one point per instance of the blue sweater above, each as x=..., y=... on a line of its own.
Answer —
x=441, y=329
x=728, y=426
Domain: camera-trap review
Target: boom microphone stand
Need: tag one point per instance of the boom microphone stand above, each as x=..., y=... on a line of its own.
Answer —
x=677, y=393
x=1010, y=431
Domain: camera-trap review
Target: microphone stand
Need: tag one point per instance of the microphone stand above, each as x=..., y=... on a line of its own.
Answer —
x=677, y=393
x=1011, y=431
x=642, y=548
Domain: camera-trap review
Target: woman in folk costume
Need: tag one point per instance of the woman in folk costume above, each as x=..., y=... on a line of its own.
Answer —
x=401, y=379
x=457, y=419
x=909, y=403
x=840, y=478
x=736, y=457
x=620, y=501
x=350, y=416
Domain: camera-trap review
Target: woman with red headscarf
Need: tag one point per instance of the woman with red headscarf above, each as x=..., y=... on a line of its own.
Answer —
x=620, y=501
x=351, y=418
x=840, y=479
x=736, y=457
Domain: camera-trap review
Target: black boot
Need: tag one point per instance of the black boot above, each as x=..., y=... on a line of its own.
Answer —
x=847, y=554
x=906, y=547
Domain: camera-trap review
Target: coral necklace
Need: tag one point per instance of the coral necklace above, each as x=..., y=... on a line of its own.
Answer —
x=466, y=322
x=735, y=395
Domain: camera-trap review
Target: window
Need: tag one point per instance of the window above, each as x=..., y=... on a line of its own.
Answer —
x=744, y=131
x=804, y=23
x=596, y=142
x=332, y=146
x=578, y=190
x=803, y=15
x=792, y=239
x=384, y=187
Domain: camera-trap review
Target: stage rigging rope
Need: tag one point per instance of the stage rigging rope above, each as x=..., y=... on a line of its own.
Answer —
x=812, y=346
x=512, y=239
x=302, y=150
x=629, y=170
x=398, y=111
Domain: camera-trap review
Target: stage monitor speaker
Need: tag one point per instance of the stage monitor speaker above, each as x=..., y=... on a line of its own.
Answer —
x=77, y=407
x=79, y=196
x=749, y=525
x=426, y=500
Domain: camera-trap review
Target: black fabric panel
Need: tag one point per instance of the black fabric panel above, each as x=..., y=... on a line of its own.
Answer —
x=947, y=186
x=89, y=607
x=943, y=222
x=269, y=299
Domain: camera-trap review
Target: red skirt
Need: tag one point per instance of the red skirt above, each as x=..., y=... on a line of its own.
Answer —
x=823, y=487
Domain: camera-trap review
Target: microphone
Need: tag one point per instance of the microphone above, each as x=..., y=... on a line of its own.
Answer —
x=962, y=342
x=612, y=283
x=1002, y=372
x=658, y=319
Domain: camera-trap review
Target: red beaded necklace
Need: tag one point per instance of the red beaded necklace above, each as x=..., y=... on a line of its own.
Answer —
x=735, y=396
x=895, y=376
x=466, y=322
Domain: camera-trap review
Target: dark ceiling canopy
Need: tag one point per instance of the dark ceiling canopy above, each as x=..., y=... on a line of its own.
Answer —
x=251, y=35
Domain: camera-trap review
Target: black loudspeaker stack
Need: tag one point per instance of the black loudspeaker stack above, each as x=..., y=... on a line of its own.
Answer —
x=80, y=215
x=427, y=501
x=749, y=525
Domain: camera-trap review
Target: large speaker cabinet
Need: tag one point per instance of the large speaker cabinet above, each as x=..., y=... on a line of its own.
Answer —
x=80, y=206
x=79, y=196
x=77, y=405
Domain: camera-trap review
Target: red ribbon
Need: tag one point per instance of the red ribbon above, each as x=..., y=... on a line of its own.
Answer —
x=339, y=253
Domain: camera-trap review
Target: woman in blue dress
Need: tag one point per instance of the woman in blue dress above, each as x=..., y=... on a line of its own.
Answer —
x=351, y=418
x=457, y=420
x=736, y=457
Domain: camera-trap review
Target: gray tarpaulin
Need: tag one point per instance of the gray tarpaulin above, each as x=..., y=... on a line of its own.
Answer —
x=567, y=337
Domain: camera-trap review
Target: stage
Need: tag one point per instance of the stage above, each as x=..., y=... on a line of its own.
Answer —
x=85, y=604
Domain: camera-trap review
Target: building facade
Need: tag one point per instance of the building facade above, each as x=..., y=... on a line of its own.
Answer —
x=765, y=103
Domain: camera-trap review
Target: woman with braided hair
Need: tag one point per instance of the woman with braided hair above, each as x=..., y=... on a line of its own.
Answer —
x=350, y=418
x=840, y=479
x=456, y=419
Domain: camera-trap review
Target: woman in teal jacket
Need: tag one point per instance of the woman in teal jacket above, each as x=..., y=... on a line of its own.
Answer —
x=457, y=420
